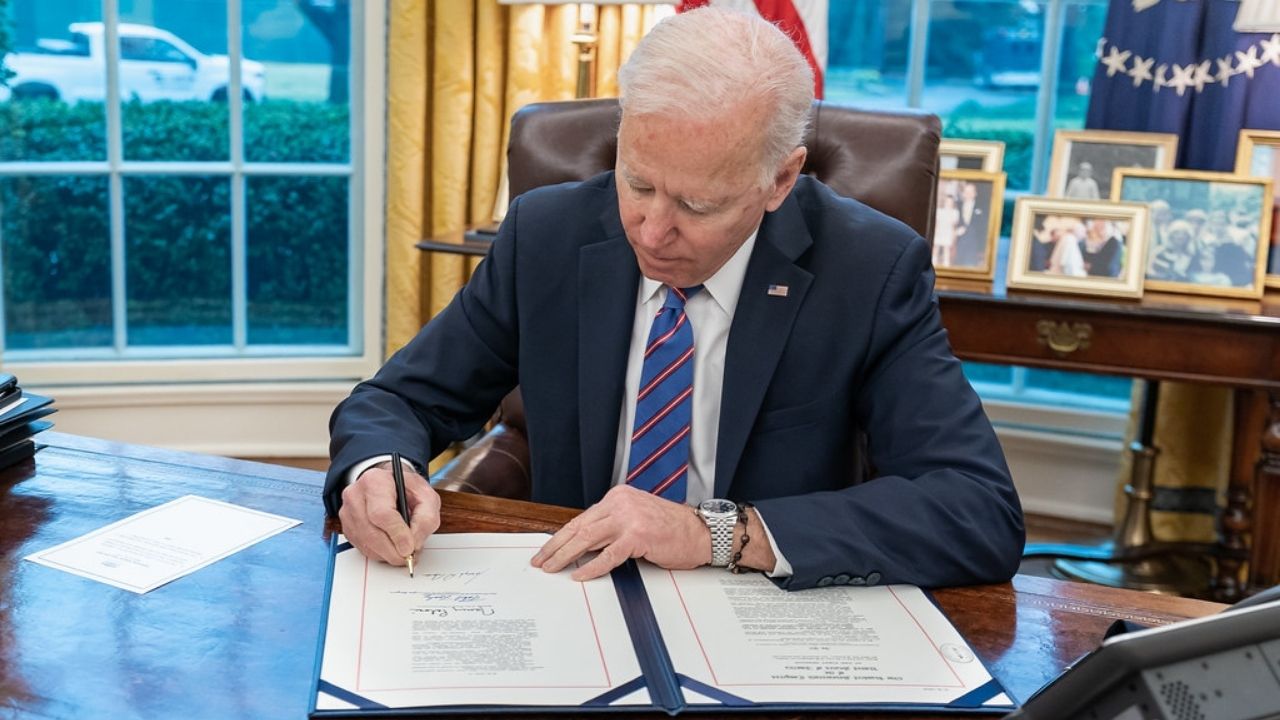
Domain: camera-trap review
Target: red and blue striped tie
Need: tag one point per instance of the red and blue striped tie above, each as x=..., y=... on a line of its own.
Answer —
x=659, y=460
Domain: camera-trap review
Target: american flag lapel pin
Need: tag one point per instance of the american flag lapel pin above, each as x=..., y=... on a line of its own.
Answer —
x=778, y=290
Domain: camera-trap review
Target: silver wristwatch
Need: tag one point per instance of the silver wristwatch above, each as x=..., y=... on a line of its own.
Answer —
x=720, y=517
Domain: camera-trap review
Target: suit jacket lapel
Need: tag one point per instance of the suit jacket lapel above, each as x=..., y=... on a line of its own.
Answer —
x=761, y=325
x=607, y=281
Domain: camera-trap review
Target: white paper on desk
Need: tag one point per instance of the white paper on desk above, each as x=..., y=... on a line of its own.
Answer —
x=744, y=635
x=476, y=624
x=153, y=547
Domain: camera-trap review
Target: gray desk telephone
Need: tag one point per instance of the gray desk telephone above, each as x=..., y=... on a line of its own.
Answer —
x=1220, y=667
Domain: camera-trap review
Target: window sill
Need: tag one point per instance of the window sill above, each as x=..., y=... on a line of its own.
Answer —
x=1065, y=461
x=239, y=419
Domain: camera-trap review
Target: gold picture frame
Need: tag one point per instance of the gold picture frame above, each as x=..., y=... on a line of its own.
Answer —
x=966, y=224
x=1083, y=161
x=1208, y=229
x=1083, y=247
x=958, y=154
x=1256, y=149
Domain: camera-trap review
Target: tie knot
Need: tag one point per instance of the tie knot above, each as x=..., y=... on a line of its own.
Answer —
x=676, y=297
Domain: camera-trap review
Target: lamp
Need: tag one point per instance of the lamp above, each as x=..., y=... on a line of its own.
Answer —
x=585, y=37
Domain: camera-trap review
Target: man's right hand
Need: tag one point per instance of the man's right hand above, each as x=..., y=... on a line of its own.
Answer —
x=372, y=523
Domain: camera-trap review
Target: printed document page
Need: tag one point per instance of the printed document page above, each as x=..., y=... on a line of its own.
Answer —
x=153, y=547
x=745, y=636
x=476, y=625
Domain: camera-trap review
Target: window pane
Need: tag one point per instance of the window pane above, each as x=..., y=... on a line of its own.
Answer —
x=304, y=51
x=57, y=262
x=1100, y=386
x=983, y=72
x=52, y=107
x=1080, y=33
x=867, y=58
x=173, y=79
x=985, y=373
x=178, y=260
x=298, y=260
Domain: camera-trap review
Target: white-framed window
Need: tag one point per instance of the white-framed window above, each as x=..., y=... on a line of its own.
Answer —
x=1009, y=70
x=191, y=190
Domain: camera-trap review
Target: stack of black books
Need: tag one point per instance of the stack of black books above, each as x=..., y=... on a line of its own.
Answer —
x=21, y=416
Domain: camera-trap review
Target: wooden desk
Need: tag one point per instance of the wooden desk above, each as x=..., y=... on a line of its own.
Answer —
x=1162, y=337
x=238, y=639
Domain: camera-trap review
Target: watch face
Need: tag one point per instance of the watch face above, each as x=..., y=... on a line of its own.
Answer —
x=717, y=506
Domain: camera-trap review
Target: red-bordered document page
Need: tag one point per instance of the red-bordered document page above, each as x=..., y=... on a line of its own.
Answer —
x=837, y=645
x=475, y=625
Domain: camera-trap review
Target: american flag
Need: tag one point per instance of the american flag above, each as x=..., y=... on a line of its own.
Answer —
x=778, y=290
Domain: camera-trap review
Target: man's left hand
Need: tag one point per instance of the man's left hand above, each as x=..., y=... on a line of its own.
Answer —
x=628, y=523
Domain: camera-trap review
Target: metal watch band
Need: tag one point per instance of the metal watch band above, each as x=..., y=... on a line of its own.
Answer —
x=721, y=539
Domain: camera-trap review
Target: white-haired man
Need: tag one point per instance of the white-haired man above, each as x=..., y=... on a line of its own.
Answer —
x=703, y=327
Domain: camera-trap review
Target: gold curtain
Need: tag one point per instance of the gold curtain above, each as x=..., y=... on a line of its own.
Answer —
x=457, y=71
x=1193, y=436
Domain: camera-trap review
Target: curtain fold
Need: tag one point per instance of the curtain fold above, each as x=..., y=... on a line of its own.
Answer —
x=1192, y=438
x=408, y=161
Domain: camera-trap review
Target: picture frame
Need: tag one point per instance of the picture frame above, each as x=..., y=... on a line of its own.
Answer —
x=1209, y=232
x=958, y=154
x=1083, y=162
x=1258, y=155
x=1083, y=247
x=967, y=217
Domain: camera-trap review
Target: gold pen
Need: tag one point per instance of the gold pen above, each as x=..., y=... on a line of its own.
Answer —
x=402, y=501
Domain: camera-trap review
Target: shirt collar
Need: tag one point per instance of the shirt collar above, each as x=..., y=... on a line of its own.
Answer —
x=724, y=286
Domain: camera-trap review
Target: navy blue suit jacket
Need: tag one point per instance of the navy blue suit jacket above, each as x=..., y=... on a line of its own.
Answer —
x=856, y=344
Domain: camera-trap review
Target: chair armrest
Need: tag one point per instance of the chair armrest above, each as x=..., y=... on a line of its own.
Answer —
x=498, y=465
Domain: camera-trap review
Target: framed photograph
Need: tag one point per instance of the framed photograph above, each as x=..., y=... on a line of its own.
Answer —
x=984, y=155
x=1084, y=161
x=1258, y=155
x=1209, y=231
x=966, y=223
x=1090, y=247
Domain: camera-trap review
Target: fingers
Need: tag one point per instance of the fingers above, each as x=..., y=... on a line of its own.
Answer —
x=579, y=537
x=359, y=528
x=590, y=531
x=627, y=523
x=372, y=523
x=557, y=541
x=602, y=564
x=424, y=509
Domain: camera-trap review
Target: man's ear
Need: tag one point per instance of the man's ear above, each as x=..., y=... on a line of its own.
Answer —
x=786, y=177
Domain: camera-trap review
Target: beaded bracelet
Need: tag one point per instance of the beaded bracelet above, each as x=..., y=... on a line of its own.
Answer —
x=735, y=566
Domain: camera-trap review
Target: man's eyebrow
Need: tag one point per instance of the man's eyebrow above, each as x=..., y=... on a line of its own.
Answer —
x=709, y=203
x=700, y=204
x=630, y=177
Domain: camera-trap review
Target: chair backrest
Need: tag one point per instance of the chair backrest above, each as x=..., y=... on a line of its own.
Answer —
x=888, y=160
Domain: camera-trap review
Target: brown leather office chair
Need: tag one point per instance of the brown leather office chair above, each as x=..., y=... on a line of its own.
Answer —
x=888, y=160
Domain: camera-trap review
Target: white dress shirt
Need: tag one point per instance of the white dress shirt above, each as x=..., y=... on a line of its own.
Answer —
x=710, y=313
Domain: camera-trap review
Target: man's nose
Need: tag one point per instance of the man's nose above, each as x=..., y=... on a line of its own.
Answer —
x=658, y=224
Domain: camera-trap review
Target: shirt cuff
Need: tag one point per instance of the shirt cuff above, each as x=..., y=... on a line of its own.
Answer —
x=363, y=465
x=782, y=569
